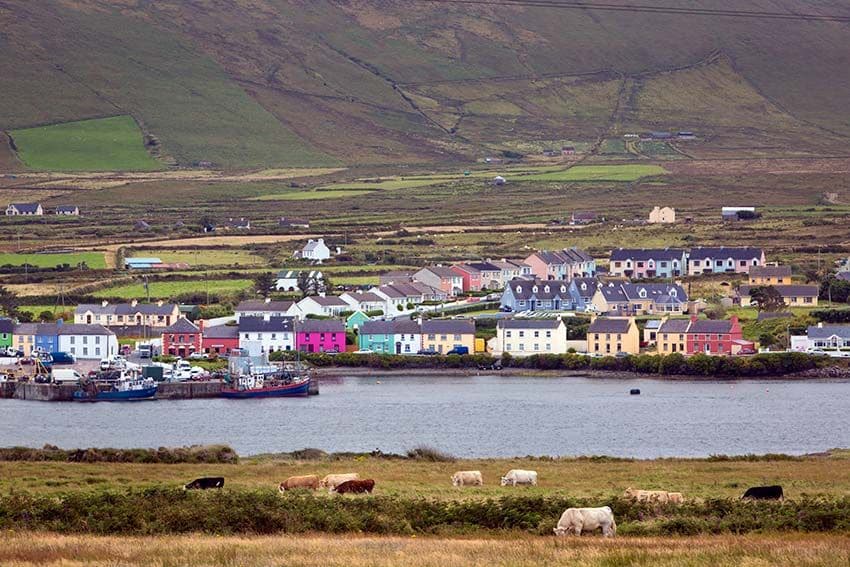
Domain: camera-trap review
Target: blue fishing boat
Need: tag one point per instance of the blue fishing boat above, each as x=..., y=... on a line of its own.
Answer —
x=249, y=387
x=124, y=390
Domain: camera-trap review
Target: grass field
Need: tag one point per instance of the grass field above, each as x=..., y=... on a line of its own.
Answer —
x=26, y=549
x=203, y=257
x=104, y=144
x=168, y=290
x=597, y=173
x=93, y=260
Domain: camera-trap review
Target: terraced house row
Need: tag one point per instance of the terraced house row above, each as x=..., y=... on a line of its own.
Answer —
x=640, y=263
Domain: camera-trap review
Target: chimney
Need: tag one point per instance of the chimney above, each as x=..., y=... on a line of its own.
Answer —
x=201, y=325
x=104, y=303
x=693, y=318
x=820, y=325
x=268, y=300
x=267, y=316
x=160, y=303
x=134, y=303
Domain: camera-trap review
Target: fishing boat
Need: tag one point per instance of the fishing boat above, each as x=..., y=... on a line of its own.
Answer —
x=123, y=390
x=259, y=386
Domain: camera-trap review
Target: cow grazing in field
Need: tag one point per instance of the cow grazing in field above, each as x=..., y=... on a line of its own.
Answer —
x=518, y=476
x=205, y=483
x=309, y=482
x=657, y=496
x=577, y=520
x=355, y=487
x=467, y=478
x=675, y=497
x=764, y=493
x=331, y=481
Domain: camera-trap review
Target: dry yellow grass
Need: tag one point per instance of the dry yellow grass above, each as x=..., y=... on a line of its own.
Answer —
x=789, y=550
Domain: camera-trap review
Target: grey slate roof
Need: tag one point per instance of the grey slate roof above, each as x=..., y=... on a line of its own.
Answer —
x=646, y=254
x=770, y=271
x=377, y=328
x=528, y=323
x=182, y=325
x=26, y=207
x=483, y=266
x=674, y=326
x=260, y=325
x=724, y=252
x=366, y=297
x=320, y=326
x=586, y=287
x=26, y=328
x=222, y=332
x=827, y=331
x=78, y=329
x=260, y=305
x=442, y=272
x=329, y=301
x=448, y=326
x=524, y=289
x=608, y=325
x=7, y=326
x=786, y=290
x=66, y=208
x=709, y=326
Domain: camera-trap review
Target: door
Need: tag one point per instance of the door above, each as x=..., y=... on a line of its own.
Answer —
x=398, y=348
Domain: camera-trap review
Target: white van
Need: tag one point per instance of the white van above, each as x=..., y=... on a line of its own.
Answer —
x=66, y=375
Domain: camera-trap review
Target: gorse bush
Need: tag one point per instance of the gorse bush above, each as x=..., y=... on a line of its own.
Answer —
x=173, y=511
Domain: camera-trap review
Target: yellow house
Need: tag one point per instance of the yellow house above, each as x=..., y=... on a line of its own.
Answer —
x=443, y=335
x=23, y=337
x=792, y=295
x=672, y=336
x=611, y=335
x=662, y=215
x=770, y=275
x=131, y=314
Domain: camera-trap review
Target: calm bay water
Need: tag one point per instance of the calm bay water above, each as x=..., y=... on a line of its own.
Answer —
x=482, y=416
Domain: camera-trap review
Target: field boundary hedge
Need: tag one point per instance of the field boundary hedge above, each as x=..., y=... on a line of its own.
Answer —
x=196, y=454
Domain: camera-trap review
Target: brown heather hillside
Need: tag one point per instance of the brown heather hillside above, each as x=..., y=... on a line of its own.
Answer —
x=245, y=83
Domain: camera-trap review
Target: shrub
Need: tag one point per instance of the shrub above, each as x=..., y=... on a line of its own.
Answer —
x=426, y=453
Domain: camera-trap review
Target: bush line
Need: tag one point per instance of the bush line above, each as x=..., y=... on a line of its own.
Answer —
x=196, y=454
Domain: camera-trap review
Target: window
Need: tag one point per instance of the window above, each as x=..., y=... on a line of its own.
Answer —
x=508, y=334
x=536, y=346
x=521, y=334
x=457, y=337
x=536, y=334
x=274, y=336
x=549, y=346
x=97, y=351
x=85, y=351
x=443, y=337
x=508, y=346
x=548, y=334
x=97, y=339
x=85, y=340
x=696, y=262
x=72, y=338
x=431, y=337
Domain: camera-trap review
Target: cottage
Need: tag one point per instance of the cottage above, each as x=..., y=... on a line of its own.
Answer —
x=268, y=333
x=609, y=336
x=68, y=210
x=365, y=301
x=523, y=337
x=561, y=264
x=24, y=209
x=629, y=299
x=320, y=336
x=639, y=263
x=583, y=217
x=724, y=260
x=662, y=215
x=537, y=295
x=568, y=151
x=182, y=338
x=134, y=314
x=824, y=337
x=220, y=339
x=769, y=275
x=792, y=295
x=442, y=278
x=582, y=291
x=142, y=225
x=293, y=223
x=738, y=213
x=323, y=305
x=356, y=320
x=315, y=251
x=267, y=307
x=441, y=336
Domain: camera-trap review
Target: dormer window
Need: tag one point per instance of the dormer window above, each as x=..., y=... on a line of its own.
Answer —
x=519, y=289
x=584, y=287
x=546, y=289
x=642, y=293
x=673, y=292
x=563, y=289
x=534, y=289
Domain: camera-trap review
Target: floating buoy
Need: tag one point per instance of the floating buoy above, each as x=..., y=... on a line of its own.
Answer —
x=634, y=392
x=377, y=381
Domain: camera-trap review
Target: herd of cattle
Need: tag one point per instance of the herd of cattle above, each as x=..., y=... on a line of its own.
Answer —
x=572, y=521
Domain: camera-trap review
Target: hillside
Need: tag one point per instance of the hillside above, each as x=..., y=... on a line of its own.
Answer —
x=251, y=83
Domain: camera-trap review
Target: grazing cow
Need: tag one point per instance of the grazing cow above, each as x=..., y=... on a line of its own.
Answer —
x=659, y=496
x=467, y=478
x=331, y=481
x=675, y=497
x=763, y=493
x=310, y=482
x=355, y=487
x=519, y=476
x=577, y=520
x=205, y=483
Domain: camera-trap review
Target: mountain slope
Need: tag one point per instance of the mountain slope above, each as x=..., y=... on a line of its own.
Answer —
x=246, y=83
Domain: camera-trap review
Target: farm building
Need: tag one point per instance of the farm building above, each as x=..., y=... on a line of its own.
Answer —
x=142, y=263
x=662, y=215
x=738, y=213
x=293, y=223
x=68, y=210
x=24, y=209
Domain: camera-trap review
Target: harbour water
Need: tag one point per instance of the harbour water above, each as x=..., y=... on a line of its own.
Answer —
x=477, y=416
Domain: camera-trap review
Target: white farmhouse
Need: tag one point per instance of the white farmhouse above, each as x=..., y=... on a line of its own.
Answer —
x=271, y=333
x=87, y=342
x=316, y=251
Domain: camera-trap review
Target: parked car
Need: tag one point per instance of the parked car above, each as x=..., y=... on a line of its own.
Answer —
x=126, y=350
x=63, y=358
x=505, y=309
x=458, y=350
x=427, y=352
x=198, y=356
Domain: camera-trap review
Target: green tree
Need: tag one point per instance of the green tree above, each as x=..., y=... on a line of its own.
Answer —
x=264, y=282
x=767, y=298
x=8, y=302
x=46, y=316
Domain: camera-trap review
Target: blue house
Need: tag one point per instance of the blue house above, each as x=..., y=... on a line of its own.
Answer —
x=538, y=295
x=47, y=337
x=376, y=336
x=581, y=292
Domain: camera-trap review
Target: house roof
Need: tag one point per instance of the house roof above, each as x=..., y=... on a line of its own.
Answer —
x=448, y=326
x=844, y=276
x=786, y=290
x=586, y=287
x=770, y=271
x=406, y=327
x=328, y=300
x=827, y=331
x=321, y=326
x=222, y=332
x=483, y=266
x=79, y=329
x=645, y=254
x=528, y=323
x=509, y=264
x=313, y=245
x=565, y=256
x=653, y=324
x=609, y=325
x=261, y=325
x=675, y=326
x=252, y=305
x=26, y=207
x=377, y=328
x=126, y=308
x=736, y=253
x=709, y=326
x=182, y=325
x=365, y=297
x=548, y=289
x=442, y=272
x=26, y=328
x=66, y=208
x=7, y=326
x=659, y=292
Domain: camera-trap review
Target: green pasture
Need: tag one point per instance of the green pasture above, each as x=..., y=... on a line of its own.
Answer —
x=613, y=173
x=168, y=290
x=94, y=260
x=217, y=257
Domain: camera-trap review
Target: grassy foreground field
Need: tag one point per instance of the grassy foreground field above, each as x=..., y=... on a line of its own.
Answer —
x=93, y=260
x=26, y=549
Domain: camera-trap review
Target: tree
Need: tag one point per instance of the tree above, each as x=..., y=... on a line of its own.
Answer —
x=835, y=290
x=46, y=316
x=8, y=302
x=313, y=284
x=767, y=298
x=264, y=282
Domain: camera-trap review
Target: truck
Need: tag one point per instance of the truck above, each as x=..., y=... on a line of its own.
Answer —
x=459, y=350
x=66, y=375
x=146, y=350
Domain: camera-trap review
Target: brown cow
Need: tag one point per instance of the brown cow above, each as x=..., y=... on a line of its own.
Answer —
x=355, y=486
x=310, y=482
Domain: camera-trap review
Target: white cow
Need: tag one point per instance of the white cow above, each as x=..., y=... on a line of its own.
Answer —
x=467, y=478
x=331, y=481
x=576, y=520
x=519, y=476
x=657, y=496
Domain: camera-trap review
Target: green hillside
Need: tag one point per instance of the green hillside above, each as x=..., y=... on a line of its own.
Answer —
x=283, y=82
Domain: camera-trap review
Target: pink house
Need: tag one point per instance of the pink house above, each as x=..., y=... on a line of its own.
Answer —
x=316, y=335
x=471, y=277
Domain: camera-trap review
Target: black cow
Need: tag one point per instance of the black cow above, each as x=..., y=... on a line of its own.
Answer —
x=763, y=493
x=205, y=483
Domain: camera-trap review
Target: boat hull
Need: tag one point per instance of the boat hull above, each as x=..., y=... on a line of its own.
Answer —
x=301, y=389
x=128, y=396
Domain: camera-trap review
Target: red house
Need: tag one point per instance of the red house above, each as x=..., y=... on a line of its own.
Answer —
x=713, y=337
x=221, y=339
x=181, y=338
x=471, y=277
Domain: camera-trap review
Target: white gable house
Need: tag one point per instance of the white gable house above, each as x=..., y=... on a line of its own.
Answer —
x=316, y=251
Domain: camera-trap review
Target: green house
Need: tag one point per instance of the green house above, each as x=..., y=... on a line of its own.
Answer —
x=7, y=329
x=356, y=320
x=376, y=336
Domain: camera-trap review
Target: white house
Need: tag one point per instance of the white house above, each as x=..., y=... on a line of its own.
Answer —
x=315, y=251
x=407, y=336
x=24, y=209
x=87, y=342
x=271, y=333
x=323, y=305
x=287, y=280
x=267, y=308
x=364, y=301
x=68, y=210
x=524, y=337
x=833, y=339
